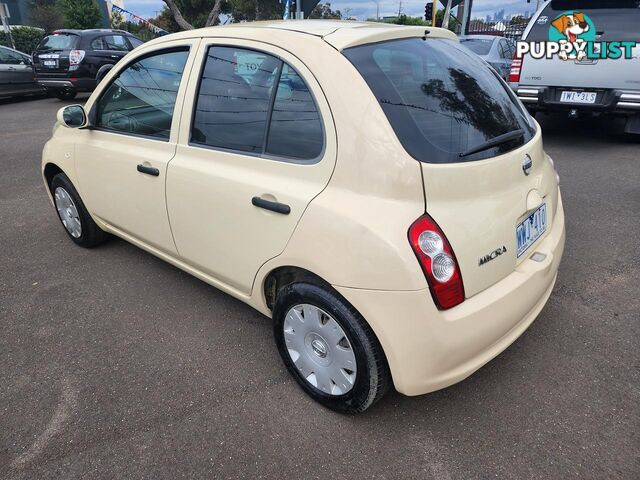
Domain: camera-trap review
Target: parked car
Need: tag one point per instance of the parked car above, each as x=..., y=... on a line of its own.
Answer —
x=72, y=61
x=377, y=191
x=496, y=51
x=16, y=74
x=584, y=87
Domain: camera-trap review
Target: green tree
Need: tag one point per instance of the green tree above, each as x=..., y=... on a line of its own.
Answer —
x=25, y=38
x=45, y=14
x=406, y=20
x=81, y=14
x=250, y=10
x=323, y=10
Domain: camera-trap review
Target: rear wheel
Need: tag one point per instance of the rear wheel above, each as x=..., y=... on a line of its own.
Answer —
x=329, y=348
x=73, y=214
x=65, y=94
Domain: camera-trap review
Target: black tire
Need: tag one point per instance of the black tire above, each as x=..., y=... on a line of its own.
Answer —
x=91, y=235
x=373, y=378
x=65, y=94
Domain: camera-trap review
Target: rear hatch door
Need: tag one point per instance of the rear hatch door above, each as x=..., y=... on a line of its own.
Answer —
x=483, y=165
x=620, y=22
x=52, y=55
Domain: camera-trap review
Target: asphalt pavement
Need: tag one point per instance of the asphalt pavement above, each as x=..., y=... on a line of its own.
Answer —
x=114, y=364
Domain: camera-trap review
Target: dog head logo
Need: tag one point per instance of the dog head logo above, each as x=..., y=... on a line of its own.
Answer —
x=571, y=25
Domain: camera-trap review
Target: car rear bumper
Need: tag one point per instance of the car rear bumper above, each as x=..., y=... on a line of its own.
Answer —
x=626, y=102
x=69, y=83
x=428, y=349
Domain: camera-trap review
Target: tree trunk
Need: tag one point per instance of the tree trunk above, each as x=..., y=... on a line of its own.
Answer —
x=177, y=16
x=215, y=13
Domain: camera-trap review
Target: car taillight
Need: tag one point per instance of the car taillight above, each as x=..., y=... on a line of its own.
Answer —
x=516, y=69
x=75, y=57
x=438, y=262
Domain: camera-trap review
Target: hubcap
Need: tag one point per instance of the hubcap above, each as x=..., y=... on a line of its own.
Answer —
x=68, y=212
x=320, y=349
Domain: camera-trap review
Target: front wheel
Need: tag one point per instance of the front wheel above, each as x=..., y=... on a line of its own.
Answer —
x=329, y=348
x=73, y=214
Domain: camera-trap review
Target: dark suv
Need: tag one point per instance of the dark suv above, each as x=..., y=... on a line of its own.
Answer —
x=71, y=61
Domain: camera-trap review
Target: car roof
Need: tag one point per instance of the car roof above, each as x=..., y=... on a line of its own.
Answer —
x=13, y=50
x=480, y=37
x=340, y=34
x=92, y=31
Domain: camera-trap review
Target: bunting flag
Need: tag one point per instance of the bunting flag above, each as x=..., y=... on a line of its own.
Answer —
x=154, y=28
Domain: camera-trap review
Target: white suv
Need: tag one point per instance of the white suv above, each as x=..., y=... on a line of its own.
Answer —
x=584, y=86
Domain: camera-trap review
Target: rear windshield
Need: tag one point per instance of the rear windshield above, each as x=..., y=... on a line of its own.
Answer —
x=481, y=46
x=621, y=24
x=441, y=99
x=59, y=41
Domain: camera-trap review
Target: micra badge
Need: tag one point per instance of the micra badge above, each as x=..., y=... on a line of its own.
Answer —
x=492, y=256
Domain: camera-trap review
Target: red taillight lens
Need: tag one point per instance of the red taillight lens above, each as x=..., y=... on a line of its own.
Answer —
x=516, y=68
x=438, y=262
x=75, y=57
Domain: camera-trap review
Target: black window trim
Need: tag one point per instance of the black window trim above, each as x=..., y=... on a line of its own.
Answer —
x=263, y=154
x=93, y=113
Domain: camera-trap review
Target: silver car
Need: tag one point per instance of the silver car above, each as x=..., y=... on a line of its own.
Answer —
x=16, y=74
x=580, y=85
x=496, y=51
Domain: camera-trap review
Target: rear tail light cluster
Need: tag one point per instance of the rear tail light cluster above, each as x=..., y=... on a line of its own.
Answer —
x=516, y=69
x=438, y=262
x=75, y=57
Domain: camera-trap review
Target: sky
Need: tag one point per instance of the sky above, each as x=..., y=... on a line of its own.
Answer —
x=363, y=9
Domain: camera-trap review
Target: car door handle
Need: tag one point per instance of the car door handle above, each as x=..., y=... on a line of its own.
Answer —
x=148, y=170
x=277, y=207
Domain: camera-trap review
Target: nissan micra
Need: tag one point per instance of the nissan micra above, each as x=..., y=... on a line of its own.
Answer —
x=376, y=190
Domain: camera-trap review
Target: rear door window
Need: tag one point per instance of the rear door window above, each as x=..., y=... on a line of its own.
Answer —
x=441, y=99
x=117, y=43
x=250, y=101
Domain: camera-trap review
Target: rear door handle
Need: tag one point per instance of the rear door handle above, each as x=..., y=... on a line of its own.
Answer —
x=277, y=207
x=148, y=170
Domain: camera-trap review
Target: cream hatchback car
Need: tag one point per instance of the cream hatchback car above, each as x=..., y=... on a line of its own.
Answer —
x=377, y=190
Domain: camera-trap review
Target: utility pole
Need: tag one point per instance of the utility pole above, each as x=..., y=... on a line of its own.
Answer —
x=299, y=13
x=377, y=10
x=435, y=8
x=399, y=8
x=4, y=17
x=447, y=13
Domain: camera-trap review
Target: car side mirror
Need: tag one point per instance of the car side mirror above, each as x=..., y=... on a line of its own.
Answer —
x=72, y=116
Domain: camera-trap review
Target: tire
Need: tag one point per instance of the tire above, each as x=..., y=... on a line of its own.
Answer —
x=73, y=214
x=364, y=385
x=65, y=94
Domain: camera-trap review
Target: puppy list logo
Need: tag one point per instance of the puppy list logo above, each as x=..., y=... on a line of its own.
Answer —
x=572, y=36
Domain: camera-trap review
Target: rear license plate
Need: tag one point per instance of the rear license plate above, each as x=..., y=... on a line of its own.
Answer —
x=50, y=63
x=578, y=97
x=531, y=229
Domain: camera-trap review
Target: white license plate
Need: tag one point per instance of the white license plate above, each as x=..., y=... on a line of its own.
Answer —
x=578, y=97
x=50, y=63
x=531, y=229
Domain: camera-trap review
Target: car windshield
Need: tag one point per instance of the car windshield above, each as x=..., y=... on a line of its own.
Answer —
x=612, y=24
x=59, y=41
x=441, y=99
x=480, y=46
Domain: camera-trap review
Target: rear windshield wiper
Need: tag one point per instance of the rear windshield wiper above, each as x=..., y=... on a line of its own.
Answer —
x=494, y=142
